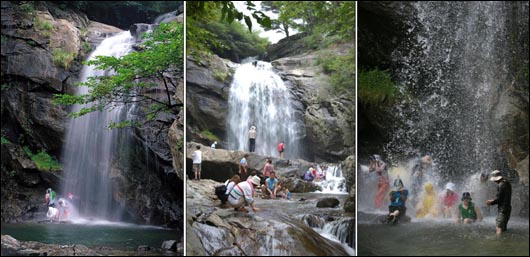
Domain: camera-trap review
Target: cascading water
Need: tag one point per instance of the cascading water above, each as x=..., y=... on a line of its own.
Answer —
x=90, y=145
x=258, y=97
x=450, y=74
x=334, y=182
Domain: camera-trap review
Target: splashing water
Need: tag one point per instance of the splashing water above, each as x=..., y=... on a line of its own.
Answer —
x=259, y=97
x=334, y=183
x=90, y=146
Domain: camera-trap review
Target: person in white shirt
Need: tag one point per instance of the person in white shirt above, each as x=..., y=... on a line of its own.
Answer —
x=197, y=160
x=243, y=194
x=252, y=139
x=214, y=144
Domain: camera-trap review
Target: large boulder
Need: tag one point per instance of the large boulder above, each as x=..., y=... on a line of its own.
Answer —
x=207, y=85
x=348, y=171
x=328, y=202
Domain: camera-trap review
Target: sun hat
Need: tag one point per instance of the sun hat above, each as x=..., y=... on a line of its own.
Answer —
x=255, y=180
x=450, y=186
x=495, y=176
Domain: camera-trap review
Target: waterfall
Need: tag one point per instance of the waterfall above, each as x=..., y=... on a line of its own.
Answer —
x=259, y=97
x=340, y=230
x=450, y=73
x=90, y=146
x=334, y=183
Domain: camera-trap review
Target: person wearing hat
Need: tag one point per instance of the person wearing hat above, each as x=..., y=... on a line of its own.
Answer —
x=243, y=194
x=383, y=183
x=468, y=212
x=252, y=139
x=503, y=200
x=448, y=199
x=398, y=197
x=427, y=206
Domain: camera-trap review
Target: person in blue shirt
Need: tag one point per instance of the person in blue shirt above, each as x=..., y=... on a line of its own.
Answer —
x=398, y=198
x=309, y=175
x=271, y=187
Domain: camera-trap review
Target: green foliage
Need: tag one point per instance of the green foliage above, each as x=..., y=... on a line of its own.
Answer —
x=5, y=141
x=86, y=47
x=375, y=87
x=162, y=53
x=83, y=32
x=27, y=8
x=220, y=76
x=210, y=28
x=43, y=160
x=341, y=70
x=63, y=58
x=44, y=27
x=6, y=86
x=325, y=22
x=211, y=136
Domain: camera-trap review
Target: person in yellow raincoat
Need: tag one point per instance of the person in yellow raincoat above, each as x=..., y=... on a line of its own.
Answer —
x=427, y=205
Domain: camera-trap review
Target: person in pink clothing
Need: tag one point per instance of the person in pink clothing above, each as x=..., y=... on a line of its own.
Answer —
x=268, y=168
x=449, y=198
x=383, y=183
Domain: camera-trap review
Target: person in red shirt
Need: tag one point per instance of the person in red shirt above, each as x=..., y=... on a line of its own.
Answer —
x=281, y=148
x=449, y=198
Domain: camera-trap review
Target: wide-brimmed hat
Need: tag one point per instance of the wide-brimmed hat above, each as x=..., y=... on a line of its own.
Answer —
x=496, y=175
x=255, y=180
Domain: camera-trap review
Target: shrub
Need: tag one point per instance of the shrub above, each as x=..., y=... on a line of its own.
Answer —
x=208, y=134
x=45, y=162
x=375, y=87
x=5, y=141
x=63, y=58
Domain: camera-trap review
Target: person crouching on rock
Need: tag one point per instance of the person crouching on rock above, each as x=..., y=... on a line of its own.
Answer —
x=243, y=194
x=271, y=187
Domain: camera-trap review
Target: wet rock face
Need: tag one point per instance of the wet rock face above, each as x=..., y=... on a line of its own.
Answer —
x=329, y=119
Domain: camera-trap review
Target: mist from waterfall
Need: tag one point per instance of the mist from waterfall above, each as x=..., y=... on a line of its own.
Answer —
x=91, y=147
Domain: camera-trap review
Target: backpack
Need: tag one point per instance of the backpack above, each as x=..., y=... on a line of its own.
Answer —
x=220, y=190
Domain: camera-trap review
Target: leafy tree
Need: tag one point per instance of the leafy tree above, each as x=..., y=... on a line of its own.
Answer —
x=135, y=73
x=210, y=28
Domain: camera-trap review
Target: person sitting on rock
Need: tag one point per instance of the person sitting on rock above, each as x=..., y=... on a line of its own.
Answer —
x=284, y=193
x=398, y=198
x=243, y=167
x=309, y=175
x=243, y=194
x=271, y=187
x=468, y=212
x=448, y=200
x=427, y=206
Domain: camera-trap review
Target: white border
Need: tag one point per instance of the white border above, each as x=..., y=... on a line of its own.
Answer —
x=184, y=239
x=356, y=129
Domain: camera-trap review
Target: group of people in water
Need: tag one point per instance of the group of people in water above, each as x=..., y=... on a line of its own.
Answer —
x=430, y=204
x=58, y=209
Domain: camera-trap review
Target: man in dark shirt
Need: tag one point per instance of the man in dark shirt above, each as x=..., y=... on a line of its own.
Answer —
x=503, y=201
